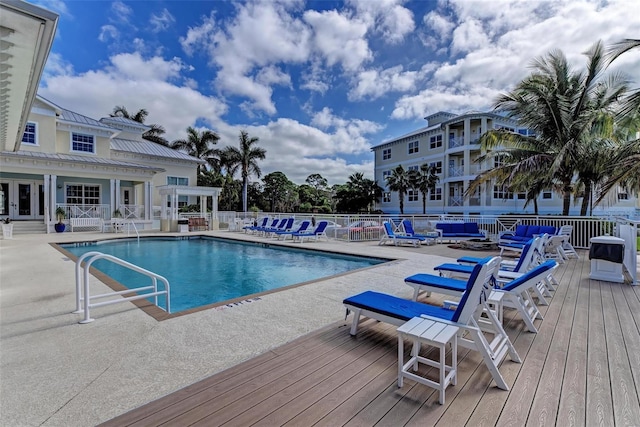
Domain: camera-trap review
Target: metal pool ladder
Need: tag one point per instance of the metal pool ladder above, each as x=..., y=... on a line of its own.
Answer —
x=83, y=299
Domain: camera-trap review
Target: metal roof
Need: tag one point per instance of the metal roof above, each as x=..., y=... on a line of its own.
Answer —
x=70, y=116
x=77, y=159
x=125, y=121
x=151, y=149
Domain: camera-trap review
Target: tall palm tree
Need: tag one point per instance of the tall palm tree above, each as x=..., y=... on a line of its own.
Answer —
x=425, y=180
x=246, y=159
x=199, y=144
x=560, y=106
x=154, y=134
x=400, y=181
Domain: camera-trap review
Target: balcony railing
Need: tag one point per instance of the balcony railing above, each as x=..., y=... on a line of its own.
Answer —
x=456, y=201
x=456, y=142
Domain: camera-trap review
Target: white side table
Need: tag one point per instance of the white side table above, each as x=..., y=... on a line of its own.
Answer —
x=436, y=334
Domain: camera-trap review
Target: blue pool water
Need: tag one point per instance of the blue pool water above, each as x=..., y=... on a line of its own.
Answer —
x=204, y=271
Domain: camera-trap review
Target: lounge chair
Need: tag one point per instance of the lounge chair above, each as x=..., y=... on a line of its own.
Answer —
x=397, y=311
x=315, y=234
x=567, y=247
x=517, y=292
x=274, y=224
x=282, y=235
x=389, y=235
x=253, y=228
x=284, y=225
x=409, y=231
x=528, y=258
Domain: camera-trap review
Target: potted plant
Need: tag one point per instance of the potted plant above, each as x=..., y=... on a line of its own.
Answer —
x=7, y=228
x=60, y=214
x=117, y=213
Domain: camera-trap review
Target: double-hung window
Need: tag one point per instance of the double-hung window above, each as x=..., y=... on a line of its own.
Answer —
x=386, y=197
x=82, y=194
x=501, y=192
x=412, y=195
x=386, y=154
x=437, y=165
x=436, y=195
x=435, y=142
x=30, y=135
x=83, y=143
x=414, y=147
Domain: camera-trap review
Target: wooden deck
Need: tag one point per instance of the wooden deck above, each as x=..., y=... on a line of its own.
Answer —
x=582, y=368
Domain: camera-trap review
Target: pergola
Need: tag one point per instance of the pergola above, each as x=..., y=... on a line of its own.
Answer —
x=170, y=193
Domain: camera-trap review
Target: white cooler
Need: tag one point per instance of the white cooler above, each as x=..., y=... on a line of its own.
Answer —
x=606, y=254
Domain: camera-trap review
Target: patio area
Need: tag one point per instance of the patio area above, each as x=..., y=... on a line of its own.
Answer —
x=289, y=359
x=582, y=368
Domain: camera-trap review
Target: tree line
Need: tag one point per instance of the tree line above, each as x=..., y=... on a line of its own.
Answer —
x=275, y=192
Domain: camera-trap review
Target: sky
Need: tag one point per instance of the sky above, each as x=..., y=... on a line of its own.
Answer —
x=318, y=82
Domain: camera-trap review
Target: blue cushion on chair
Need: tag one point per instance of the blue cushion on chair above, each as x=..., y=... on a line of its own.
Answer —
x=533, y=230
x=547, y=229
x=445, y=227
x=441, y=282
x=457, y=227
x=395, y=307
x=471, y=227
x=521, y=230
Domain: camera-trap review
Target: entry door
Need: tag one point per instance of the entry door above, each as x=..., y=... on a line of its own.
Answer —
x=26, y=200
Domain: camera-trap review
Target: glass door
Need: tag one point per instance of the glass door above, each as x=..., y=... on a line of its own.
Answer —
x=26, y=200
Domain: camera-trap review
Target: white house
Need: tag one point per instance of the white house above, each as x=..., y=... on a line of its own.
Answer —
x=55, y=158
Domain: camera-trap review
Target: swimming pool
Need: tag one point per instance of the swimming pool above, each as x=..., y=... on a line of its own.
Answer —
x=205, y=270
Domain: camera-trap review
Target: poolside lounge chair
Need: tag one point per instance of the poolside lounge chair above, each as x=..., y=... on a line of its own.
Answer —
x=397, y=311
x=315, y=234
x=253, y=228
x=282, y=235
x=409, y=231
x=274, y=224
x=284, y=225
x=389, y=235
x=567, y=247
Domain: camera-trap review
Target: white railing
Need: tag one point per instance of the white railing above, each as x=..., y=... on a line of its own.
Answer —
x=83, y=298
x=132, y=211
x=85, y=211
x=628, y=231
x=583, y=227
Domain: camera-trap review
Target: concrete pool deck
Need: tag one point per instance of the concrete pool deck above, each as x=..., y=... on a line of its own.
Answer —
x=57, y=372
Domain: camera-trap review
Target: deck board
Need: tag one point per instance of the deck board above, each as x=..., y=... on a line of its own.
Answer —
x=582, y=368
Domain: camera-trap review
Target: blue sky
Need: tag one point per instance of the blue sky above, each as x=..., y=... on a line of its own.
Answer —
x=319, y=82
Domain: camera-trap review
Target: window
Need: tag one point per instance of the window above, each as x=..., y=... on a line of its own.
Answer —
x=623, y=196
x=385, y=174
x=386, y=197
x=82, y=194
x=386, y=154
x=414, y=147
x=436, y=195
x=521, y=196
x=413, y=195
x=435, y=142
x=547, y=195
x=413, y=168
x=501, y=193
x=177, y=180
x=438, y=166
x=506, y=128
x=82, y=143
x=498, y=161
x=30, y=135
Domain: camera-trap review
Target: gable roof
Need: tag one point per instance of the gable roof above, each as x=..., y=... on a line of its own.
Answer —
x=151, y=149
x=70, y=116
x=125, y=121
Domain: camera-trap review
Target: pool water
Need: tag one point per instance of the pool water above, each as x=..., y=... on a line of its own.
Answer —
x=205, y=271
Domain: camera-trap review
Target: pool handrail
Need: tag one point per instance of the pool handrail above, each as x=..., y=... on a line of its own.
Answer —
x=83, y=299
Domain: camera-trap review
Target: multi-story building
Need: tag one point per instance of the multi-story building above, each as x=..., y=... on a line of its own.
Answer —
x=52, y=158
x=450, y=142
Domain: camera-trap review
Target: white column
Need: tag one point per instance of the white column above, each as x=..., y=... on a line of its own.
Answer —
x=148, y=207
x=117, y=195
x=47, y=200
x=163, y=208
x=112, y=196
x=467, y=131
x=52, y=197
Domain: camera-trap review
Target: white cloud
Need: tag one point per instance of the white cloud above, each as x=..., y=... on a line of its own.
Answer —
x=162, y=21
x=135, y=83
x=340, y=40
x=108, y=33
x=121, y=12
x=200, y=36
x=386, y=17
x=376, y=83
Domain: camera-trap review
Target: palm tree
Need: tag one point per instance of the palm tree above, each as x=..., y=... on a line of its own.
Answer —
x=199, y=144
x=425, y=180
x=631, y=104
x=246, y=159
x=400, y=181
x=154, y=134
x=560, y=106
